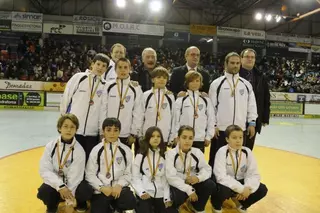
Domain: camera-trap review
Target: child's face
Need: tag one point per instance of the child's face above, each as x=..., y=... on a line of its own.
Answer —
x=123, y=70
x=186, y=140
x=68, y=130
x=98, y=67
x=235, y=139
x=111, y=133
x=117, y=52
x=159, y=82
x=195, y=84
x=155, y=139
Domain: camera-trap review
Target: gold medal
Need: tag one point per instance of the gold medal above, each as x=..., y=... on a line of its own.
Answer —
x=92, y=94
x=122, y=97
x=196, y=116
x=121, y=106
x=61, y=165
x=91, y=102
x=109, y=165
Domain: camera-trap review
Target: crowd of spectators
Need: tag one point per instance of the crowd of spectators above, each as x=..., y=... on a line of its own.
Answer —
x=57, y=60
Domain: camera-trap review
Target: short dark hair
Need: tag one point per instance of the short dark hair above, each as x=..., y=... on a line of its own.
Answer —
x=109, y=122
x=69, y=116
x=122, y=60
x=159, y=71
x=231, y=129
x=185, y=128
x=145, y=142
x=101, y=57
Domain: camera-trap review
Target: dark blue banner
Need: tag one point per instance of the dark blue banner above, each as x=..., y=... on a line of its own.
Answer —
x=176, y=36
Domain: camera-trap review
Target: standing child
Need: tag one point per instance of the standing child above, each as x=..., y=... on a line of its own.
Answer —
x=108, y=171
x=159, y=105
x=196, y=111
x=148, y=171
x=62, y=168
x=236, y=173
x=188, y=173
x=122, y=100
x=82, y=97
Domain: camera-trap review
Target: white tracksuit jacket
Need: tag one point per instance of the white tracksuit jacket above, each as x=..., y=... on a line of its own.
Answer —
x=111, y=74
x=76, y=98
x=96, y=171
x=167, y=111
x=73, y=169
x=132, y=113
x=141, y=176
x=248, y=170
x=204, y=124
x=230, y=110
x=176, y=169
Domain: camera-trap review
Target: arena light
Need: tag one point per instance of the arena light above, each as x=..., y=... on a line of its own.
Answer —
x=268, y=17
x=121, y=3
x=258, y=16
x=155, y=5
x=138, y=1
x=209, y=40
x=278, y=18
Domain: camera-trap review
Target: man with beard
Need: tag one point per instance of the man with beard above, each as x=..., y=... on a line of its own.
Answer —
x=234, y=103
x=117, y=51
x=142, y=74
x=260, y=86
x=177, y=79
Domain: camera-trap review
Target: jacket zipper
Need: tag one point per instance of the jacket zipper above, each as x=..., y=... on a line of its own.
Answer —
x=185, y=161
x=85, y=123
x=154, y=184
x=64, y=147
x=120, y=98
x=234, y=100
x=194, y=110
x=112, y=163
x=158, y=107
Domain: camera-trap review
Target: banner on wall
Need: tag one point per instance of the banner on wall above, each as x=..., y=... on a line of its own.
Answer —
x=5, y=15
x=58, y=28
x=54, y=86
x=132, y=28
x=300, y=47
x=229, y=32
x=87, y=30
x=315, y=49
x=277, y=44
x=279, y=107
x=176, y=36
x=253, y=34
x=295, y=97
x=95, y=20
x=207, y=30
x=26, y=27
x=27, y=17
x=252, y=43
x=5, y=25
x=22, y=100
x=21, y=85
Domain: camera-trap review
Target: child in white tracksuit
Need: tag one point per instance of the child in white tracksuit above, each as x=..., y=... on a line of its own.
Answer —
x=148, y=175
x=236, y=173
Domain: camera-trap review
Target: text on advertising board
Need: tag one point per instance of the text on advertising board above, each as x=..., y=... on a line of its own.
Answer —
x=27, y=17
x=87, y=19
x=20, y=85
x=21, y=100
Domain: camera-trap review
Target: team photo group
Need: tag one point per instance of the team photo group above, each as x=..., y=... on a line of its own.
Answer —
x=135, y=140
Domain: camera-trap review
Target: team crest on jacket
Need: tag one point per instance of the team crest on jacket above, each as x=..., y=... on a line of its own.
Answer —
x=68, y=163
x=200, y=106
x=99, y=93
x=119, y=160
x=128, y=98
x=164, y=105
x=243, y=168
x=160, y=166
x=241, y=91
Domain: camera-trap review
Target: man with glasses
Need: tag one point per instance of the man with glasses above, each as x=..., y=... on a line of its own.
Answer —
x=260, y=86
x=192, y=56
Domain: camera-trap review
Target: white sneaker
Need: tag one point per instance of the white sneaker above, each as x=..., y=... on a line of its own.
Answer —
x=242, y=210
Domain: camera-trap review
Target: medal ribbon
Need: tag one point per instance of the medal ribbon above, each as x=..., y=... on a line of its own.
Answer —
x=196, y=108
x=67, y=156
x=93, y=93
x=152, y=170
x=119, y=92
x=235, y=169
x=233, y=88
x=108, y=166
x=188, y=170
x=157, y=103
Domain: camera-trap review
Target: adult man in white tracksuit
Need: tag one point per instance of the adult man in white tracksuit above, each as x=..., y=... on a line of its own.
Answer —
x=234, y=103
